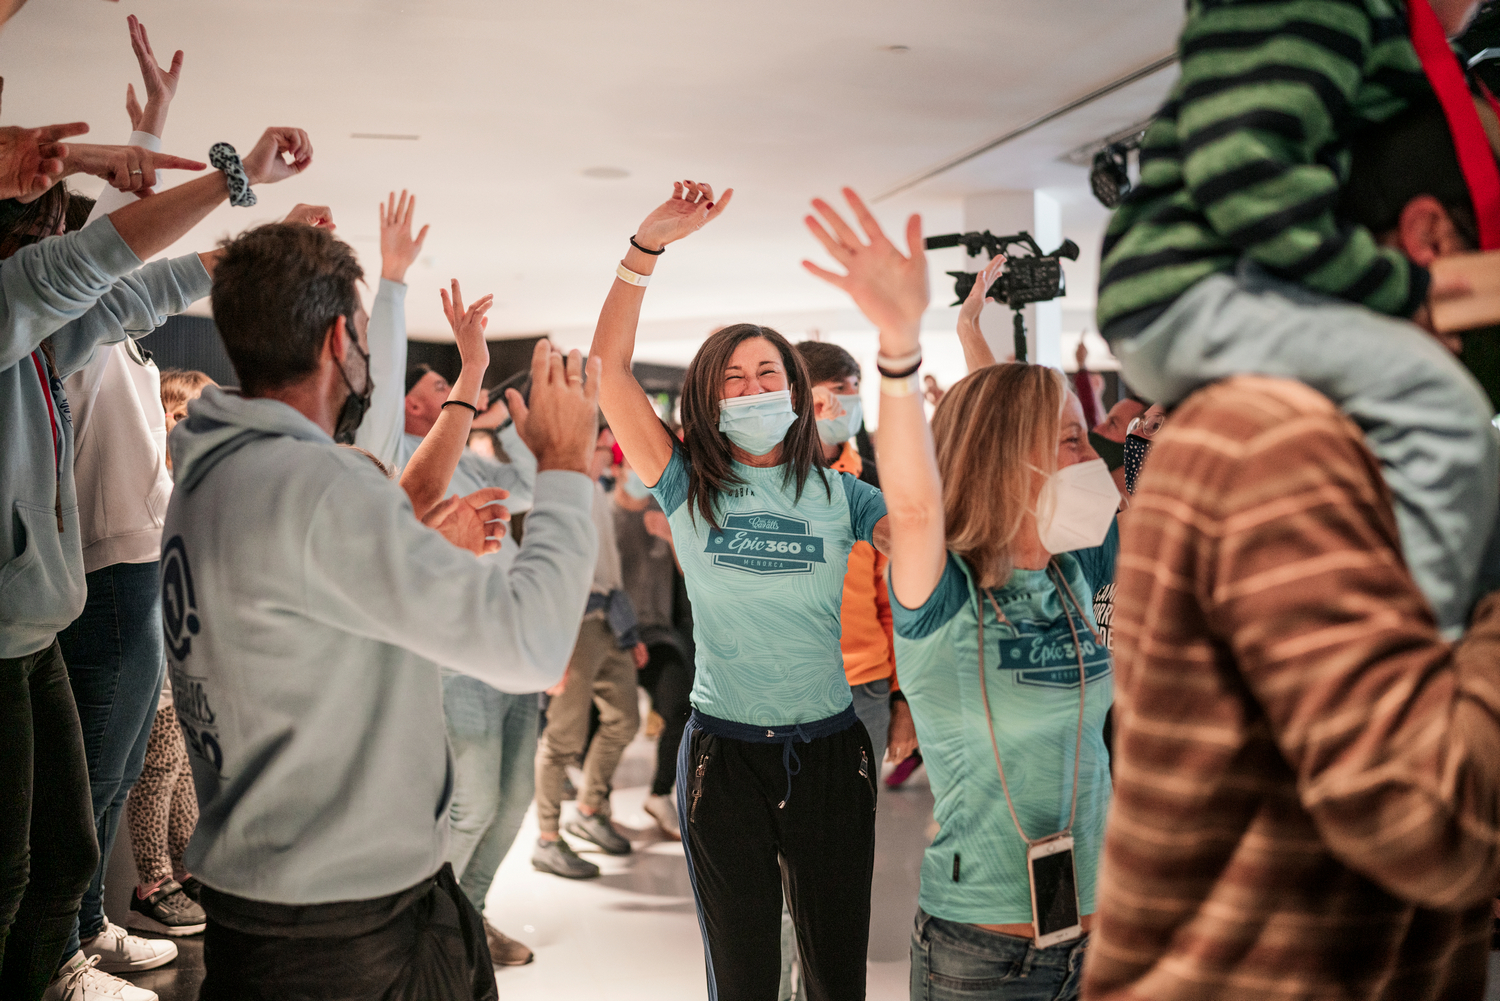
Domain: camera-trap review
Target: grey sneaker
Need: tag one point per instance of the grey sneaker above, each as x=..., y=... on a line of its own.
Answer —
x=558, y=858
x=601, y=832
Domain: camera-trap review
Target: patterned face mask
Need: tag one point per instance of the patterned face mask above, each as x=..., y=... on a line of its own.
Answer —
x=1136, y=450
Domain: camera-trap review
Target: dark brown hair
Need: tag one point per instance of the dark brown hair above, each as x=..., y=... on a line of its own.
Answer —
x=827, y=362
x=710, y=465
x=277, y=290
x=34, y=221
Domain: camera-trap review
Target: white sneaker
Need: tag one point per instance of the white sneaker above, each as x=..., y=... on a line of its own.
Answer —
x=81, y=981
x=121, y=952
x=665, y=814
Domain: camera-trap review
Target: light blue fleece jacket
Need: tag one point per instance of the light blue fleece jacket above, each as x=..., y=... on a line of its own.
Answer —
x=307, y=612
x=82, y=290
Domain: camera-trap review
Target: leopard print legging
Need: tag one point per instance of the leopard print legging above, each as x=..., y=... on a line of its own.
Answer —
x=163, y=808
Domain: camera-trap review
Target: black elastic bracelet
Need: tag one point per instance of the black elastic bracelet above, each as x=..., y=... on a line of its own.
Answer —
x=653, y=253
x=905, y=373
x=460, y=403
x=898, y=696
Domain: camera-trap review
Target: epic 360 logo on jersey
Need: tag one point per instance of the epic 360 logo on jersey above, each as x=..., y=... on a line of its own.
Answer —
x=763, y=543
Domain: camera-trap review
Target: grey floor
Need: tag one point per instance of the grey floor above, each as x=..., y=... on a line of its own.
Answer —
x=633, y=931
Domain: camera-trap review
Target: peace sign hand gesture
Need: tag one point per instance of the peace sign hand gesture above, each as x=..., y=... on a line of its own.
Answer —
x=889, y=287
x=691, y=206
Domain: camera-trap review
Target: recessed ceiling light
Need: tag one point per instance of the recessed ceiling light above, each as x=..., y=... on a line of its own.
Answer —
x=898, y=49
x=606, y=173
x=381, y=135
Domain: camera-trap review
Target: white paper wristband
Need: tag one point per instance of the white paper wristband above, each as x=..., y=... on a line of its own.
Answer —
x=631, y=278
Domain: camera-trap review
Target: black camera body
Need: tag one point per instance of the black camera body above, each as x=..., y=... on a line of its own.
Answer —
x=1027, y=278
x=1030, y=276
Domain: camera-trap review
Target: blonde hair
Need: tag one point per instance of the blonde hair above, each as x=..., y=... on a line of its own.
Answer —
x=179, y=385
x=995, y=431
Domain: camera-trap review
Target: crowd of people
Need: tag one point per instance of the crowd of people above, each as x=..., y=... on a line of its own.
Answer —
x=1206, y=684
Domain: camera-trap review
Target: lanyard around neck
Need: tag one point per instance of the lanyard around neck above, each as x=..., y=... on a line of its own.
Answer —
x=1475, y=158
x=1067, y=593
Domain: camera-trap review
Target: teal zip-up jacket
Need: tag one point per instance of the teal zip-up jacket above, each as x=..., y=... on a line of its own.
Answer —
x=80, y=290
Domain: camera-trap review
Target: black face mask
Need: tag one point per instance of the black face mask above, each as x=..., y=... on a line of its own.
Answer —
x=1136, y=449
x=355, y=404
x=1112, y=452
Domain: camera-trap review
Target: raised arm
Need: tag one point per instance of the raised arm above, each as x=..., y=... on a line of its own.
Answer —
x=977, y=353
x=427, y=475
x=629, y=411
x=381, y=430
x=150, y=225
x=890, y=288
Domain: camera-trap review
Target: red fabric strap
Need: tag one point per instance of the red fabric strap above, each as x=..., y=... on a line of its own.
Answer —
x=41, y=375
x=1475, y=157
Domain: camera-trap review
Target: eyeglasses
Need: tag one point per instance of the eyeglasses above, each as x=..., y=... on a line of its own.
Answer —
x=1147, y=427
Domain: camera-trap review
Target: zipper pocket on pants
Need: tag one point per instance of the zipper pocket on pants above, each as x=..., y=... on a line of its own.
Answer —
x=698, y=774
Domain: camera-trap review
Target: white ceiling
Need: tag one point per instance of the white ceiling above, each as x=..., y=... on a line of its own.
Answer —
x=781, y=99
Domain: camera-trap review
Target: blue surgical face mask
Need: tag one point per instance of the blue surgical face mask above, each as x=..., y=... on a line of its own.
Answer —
x=633, y=486
x=837, y=430
x=757, y=423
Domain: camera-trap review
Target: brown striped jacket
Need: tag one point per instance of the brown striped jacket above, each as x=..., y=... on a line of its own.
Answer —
x=1307, y=777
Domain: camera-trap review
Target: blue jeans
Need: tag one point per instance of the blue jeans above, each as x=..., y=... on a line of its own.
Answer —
x=1423, y=415
x=116, y=658
x=958, y=962
x=493, y=737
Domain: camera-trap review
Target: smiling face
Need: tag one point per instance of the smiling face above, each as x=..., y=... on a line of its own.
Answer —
x=755, y=367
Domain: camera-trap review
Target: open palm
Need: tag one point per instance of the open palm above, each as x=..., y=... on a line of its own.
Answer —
x=691, y=206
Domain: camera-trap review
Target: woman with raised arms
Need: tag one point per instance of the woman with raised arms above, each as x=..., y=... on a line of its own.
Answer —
x=1002, y=528
x=776, y=776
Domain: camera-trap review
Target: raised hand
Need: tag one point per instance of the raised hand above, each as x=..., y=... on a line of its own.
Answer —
x=398, y=249
x=317, y=216
x=31, y=160
x=562, y=421
x=468, y=327
x=268, y=161
x=975, y=302
x=160, y=84
x=691, y=206
x=125, y=168
x=475, y=522
x=889, y=287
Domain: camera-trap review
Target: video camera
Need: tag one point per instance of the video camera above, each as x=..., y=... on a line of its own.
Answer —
x=1029, y=277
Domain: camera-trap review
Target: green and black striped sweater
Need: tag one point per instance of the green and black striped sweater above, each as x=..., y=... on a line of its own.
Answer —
x=1249, y=153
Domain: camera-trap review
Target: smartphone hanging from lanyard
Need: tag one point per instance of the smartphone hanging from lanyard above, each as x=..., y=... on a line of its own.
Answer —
x=1051, y=871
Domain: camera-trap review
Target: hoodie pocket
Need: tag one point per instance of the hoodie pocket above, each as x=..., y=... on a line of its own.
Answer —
x=43, y=587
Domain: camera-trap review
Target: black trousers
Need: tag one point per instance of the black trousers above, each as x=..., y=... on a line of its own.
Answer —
x=668, y=679
x=422, y=944
x=48, y=852
x=744, y=849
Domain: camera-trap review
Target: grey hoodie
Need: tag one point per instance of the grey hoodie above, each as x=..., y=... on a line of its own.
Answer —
x=68, y=288
x=307, y=612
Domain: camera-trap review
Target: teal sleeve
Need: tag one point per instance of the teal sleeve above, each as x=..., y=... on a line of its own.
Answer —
x=1098, y=564
x=671, y=490
x=137, y=304
x=941, y=605
x=866, y=507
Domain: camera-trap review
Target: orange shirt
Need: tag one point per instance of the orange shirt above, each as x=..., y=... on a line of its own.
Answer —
x=869, y=653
